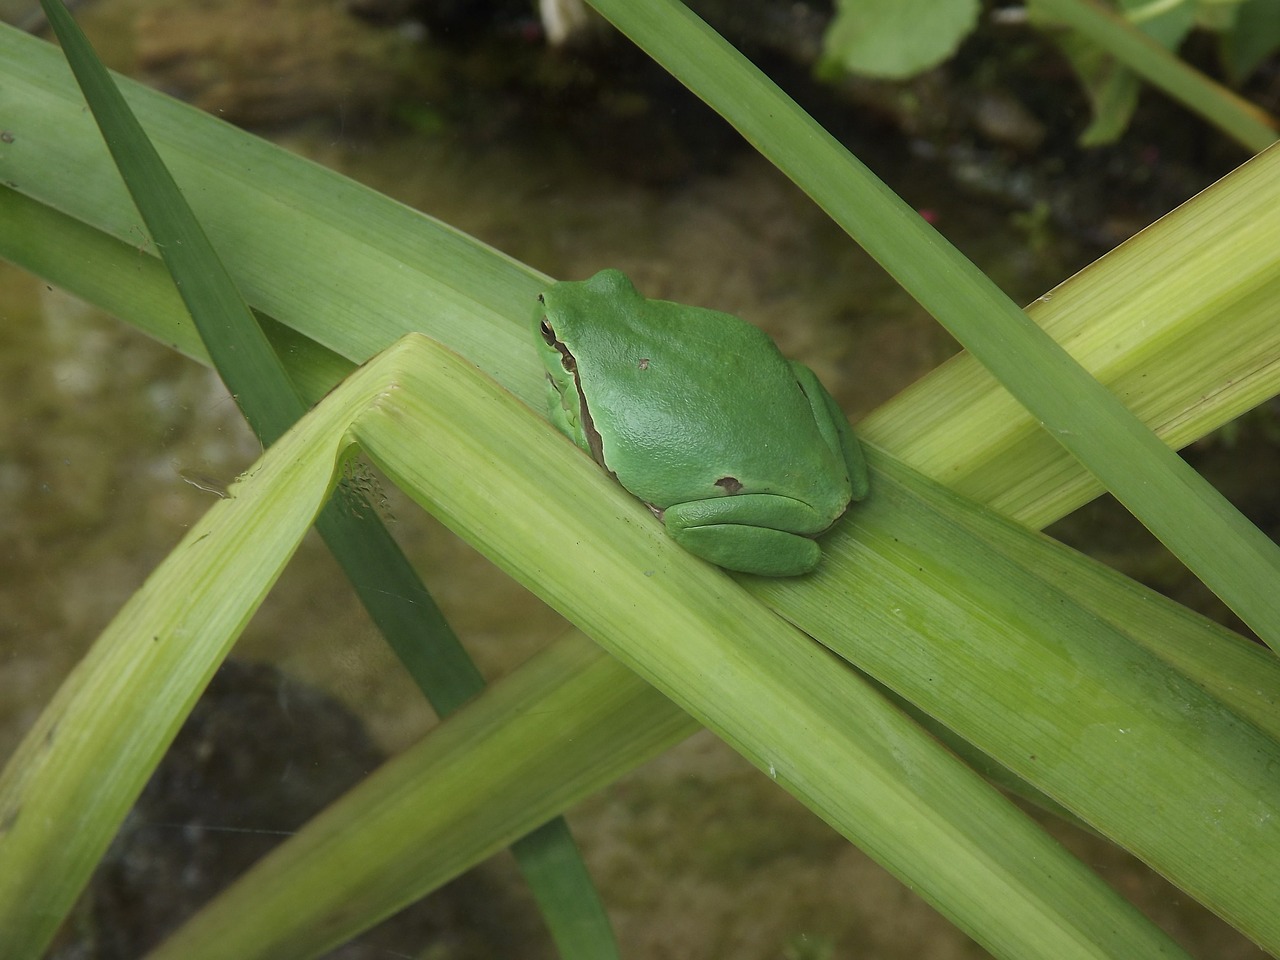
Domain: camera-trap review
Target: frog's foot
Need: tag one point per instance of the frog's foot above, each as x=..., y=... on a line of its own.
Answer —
x=728, y=532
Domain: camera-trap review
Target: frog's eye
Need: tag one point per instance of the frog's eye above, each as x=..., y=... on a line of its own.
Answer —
x=548, y=334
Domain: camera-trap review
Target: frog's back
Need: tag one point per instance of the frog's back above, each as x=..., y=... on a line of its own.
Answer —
x=724, y=415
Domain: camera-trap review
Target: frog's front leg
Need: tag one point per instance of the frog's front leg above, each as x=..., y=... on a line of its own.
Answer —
x=743, y=533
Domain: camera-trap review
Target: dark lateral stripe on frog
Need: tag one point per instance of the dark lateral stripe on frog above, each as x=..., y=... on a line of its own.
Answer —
x=588, y=425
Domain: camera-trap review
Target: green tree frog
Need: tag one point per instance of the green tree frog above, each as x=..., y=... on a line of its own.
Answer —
x=741, y=453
